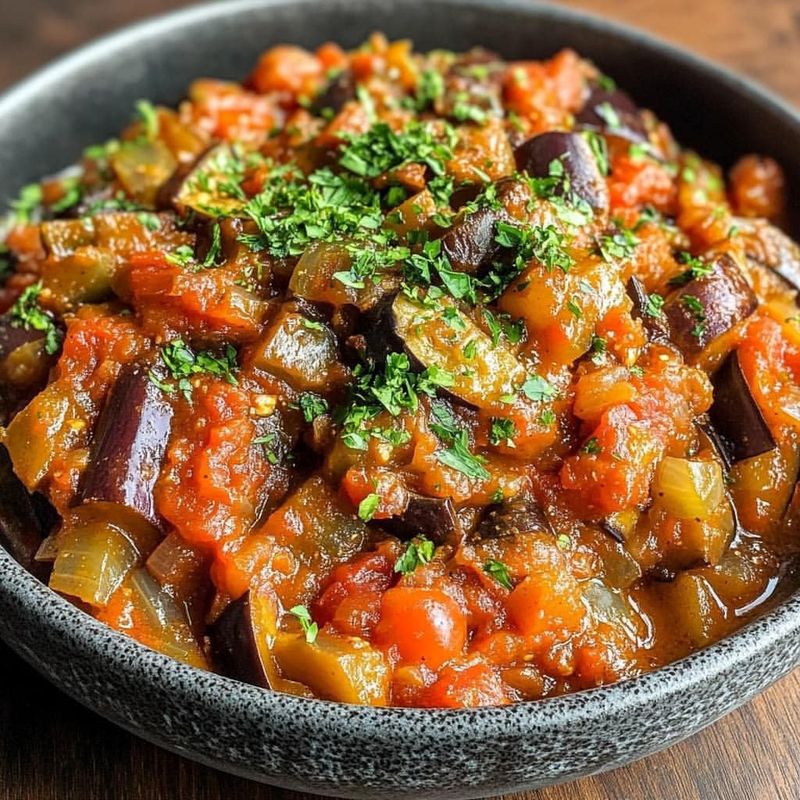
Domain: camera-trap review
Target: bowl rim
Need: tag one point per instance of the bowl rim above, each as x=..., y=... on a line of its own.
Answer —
x=113, y=648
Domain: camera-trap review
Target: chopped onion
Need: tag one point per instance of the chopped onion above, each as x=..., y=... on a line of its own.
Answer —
x=92, y=562
x=689, y=489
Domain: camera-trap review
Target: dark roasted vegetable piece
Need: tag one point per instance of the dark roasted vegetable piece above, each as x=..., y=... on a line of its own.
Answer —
x=20, y=528
x=612, y=112
x=740, y=426
x=242, y=638
x=23, y=366
x=340, y=90
x=234, y=647
x=518, y=515
x=769, y=246
x=469, y=243
x=582, y=173
x=620, y=525
x=129, y=444
x=473, y=86
x=12, y=337
x=657, y=327
x=708, y=307
x=432, y=517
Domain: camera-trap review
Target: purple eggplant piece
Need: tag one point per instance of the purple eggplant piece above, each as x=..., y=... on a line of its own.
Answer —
x=473, y=85
x=233, y=644
x=612, y=112
x=13, y=337
x=708, y=307
x=768, y=246
x=129, y=444
x=340, y=90
x=740, y=427
x=21, y=529
x=470, y=243
x=432, y=517
x=580, y=165
x=518, y=515
x=608, y=526
x=656, y=328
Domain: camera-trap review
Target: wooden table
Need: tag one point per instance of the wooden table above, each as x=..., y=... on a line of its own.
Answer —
x=51, y=748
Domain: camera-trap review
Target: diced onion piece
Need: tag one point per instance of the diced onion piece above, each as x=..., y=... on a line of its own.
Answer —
x=688, y=489
x=167, y=620
x=92, y=562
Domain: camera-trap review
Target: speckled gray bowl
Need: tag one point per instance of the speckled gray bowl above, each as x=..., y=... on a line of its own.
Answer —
x=324, y=747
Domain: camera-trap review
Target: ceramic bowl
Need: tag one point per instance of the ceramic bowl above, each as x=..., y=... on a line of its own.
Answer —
x=320, y=746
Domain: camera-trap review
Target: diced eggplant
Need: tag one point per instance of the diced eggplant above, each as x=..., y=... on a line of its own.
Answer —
x=612, y=112
x=581, y=171
x=236, y=646
x=469, y=243
x=85, y=276
x=739, y=424
x=340, y=90
x=656, y=327
x=492, y=372
x=302, y=352
x=519, y=515
x=432, y=517
x=21, y=531
x=769, y=246
x=129, y=444
x=13, y=336
x=708, y=307
x=62, y=237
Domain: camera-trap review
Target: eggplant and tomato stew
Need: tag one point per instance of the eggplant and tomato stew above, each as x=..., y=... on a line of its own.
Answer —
x=404, y=379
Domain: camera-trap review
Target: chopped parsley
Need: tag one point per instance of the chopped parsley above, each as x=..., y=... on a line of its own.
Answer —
x=147, y=114
x=598, y=349
x=502, y=431
x=654, y=305
x=310, y=628
x=27, y=203
x=592, y=447
x=182, y=363
x=215, y=248
x=697, y=310
x=459, y=457
x=618, y=246
x=544, y=243
x=312, y=406
x=27, y=313
x=538, y=389
x=697, y=268
x=381, y=149
x=499, y=571
x=418, y=551
x=430, y=87
x=368, y=506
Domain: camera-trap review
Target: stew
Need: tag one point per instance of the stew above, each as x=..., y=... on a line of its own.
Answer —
x=404, y=379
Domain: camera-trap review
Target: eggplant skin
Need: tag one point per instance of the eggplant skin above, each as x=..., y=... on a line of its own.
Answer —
x=624, y=112
x=13, y=337
x=519, y=515
x=580, y=165
x=340, y=90
x=708, y=307
x=432, y=517
x=656, y=328
x=129, y=444
x=740, y=429
x=470, y=243
x=21, y=530
x=233, y=644
x=770, y=247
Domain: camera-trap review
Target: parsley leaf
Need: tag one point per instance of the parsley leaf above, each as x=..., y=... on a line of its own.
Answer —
x=312, y=406
x=538, y=389
x=418, y=551
x=502, y=430
x=499, y=571
x=182, y=362
x=310, y=628
x=27, y=313
x=459, y=457
x=368, y=506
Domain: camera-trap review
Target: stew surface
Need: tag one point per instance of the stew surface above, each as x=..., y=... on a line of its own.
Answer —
x=404, y=379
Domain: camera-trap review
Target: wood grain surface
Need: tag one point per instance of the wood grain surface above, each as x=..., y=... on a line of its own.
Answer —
x=53, y=749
